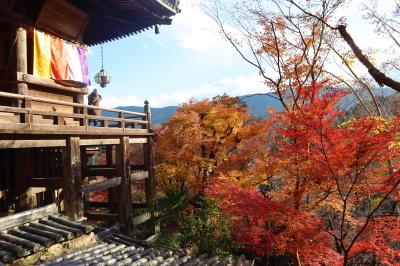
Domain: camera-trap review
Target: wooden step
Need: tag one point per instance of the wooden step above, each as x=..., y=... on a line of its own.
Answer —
x=110, y=183
x=139, y=175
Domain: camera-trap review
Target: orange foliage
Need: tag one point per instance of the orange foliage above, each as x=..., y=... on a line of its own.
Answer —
x=204, y=138
x=322, y=168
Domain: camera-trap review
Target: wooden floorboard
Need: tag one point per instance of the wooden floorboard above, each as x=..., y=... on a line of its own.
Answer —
x=24, y=128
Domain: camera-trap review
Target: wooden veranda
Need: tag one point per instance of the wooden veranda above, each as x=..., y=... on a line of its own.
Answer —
x=47, y=132
x=41, y=156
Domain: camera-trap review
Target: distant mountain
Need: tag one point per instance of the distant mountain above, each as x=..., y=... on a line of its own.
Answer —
x=158, y=115
x=258, y=105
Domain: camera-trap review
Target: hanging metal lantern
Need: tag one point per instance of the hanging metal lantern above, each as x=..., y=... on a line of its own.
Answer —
x=102, y=78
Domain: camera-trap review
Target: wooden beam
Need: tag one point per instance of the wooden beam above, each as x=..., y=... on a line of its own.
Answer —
x=99, y=142
x=23, y=77
x=137, y=140
x=72, y=189
x=38, y=143
x=109, y=183
x=124, y=207
x=10, y=17
x=24, y=128
x=46, y=100
x=27, y=216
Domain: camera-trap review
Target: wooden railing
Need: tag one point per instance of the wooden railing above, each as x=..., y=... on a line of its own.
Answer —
x=123, y=120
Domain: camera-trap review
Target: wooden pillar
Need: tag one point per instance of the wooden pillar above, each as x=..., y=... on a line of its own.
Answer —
x=85, y=179
x=150, y=182
x=72, y=174
x=22, y=62
x=123, y=170
x=112, y=192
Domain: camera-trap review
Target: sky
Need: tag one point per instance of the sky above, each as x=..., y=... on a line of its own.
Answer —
x=188, y=59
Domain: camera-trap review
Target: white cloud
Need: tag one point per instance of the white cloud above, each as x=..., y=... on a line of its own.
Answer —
x=234, y=86
x=193, y=29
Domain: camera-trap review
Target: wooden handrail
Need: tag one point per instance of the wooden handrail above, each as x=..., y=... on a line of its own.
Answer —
x=43, y=100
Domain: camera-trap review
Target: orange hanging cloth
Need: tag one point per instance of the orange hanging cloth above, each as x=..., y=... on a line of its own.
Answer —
x=59, y=63
x=41, y=55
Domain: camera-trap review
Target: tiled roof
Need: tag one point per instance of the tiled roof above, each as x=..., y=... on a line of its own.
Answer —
x=26, y=239
x=20, y=239
x=116, y=249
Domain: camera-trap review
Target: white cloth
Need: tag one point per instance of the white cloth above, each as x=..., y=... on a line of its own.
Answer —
x=74, y=64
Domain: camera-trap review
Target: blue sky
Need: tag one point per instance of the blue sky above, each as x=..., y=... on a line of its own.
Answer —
x=187, y=59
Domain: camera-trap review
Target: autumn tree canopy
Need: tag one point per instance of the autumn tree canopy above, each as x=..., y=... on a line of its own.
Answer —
x=312, y=182
x=329, y=185
x=299, y=42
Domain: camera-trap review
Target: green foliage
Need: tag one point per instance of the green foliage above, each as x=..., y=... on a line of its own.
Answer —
x=171, y=241
x=170, y=208
x=206, y=231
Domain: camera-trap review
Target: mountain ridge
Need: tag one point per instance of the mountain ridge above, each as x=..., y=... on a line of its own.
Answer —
x=257, y=104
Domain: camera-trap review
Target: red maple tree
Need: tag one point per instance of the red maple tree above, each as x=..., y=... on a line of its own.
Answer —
x=334, y=177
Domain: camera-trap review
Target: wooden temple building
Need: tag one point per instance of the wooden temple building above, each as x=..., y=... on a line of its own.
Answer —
x=47, y=133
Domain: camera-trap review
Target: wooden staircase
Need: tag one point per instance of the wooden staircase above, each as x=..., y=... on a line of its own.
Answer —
x=114, y=184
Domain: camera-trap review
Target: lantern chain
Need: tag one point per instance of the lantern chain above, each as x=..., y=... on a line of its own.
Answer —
x=102, y=58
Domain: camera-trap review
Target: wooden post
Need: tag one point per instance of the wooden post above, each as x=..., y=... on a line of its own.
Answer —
x=72, y=189
x=79, y=98
x=84, y=166
x=150, y=182
x=22, y=62
x=122, y=122
x=112, y=192
x=123, y=170
x=147, y=111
